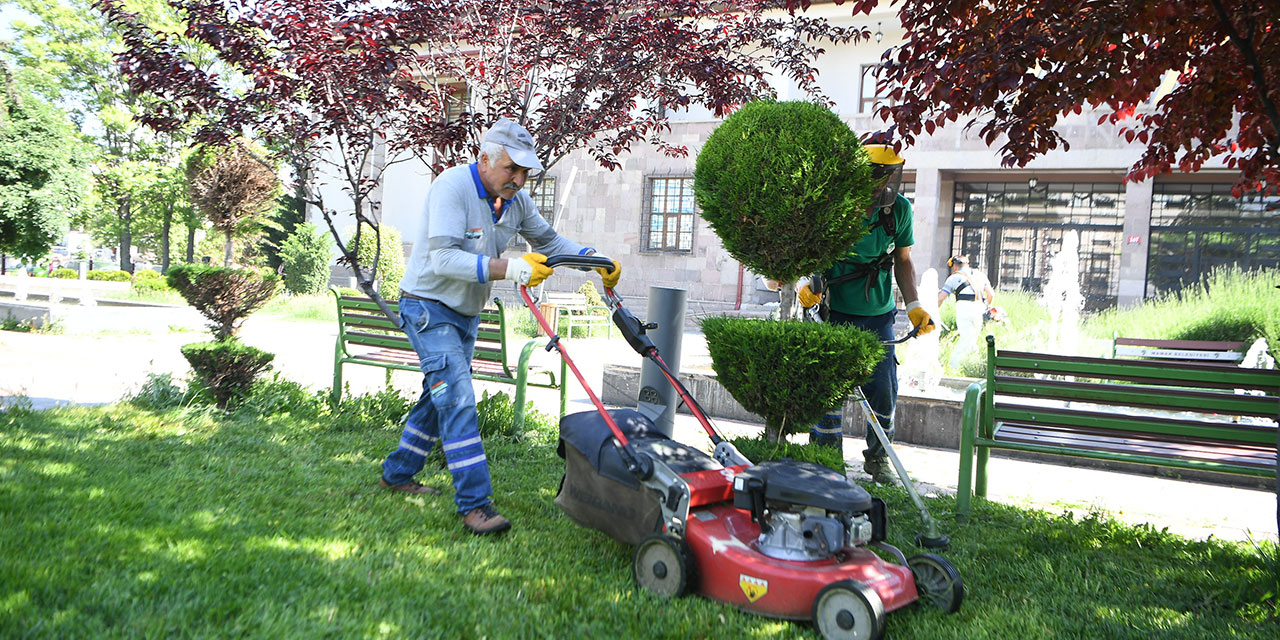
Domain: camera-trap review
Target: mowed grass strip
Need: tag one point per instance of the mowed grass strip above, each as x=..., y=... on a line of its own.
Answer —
x=124, y=522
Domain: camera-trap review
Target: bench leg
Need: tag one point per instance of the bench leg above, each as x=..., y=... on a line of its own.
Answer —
x=518, y=419
x=968, y=430
x=336, y=396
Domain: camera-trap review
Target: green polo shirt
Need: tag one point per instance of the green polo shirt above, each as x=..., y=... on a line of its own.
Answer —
x=854, y=297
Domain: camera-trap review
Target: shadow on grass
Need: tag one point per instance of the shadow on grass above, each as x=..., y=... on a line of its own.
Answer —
x=129, y=523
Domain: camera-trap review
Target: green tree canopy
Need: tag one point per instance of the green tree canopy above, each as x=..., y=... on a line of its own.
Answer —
x=43, y=176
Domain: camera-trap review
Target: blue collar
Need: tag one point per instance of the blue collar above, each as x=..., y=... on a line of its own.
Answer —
x=484, y=194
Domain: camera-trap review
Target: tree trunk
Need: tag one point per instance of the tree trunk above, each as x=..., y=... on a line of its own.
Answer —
x=227, y=256
x=126, y=235
x=772, y=433
x=164, y=237
x=786, y=300
x=191, y=244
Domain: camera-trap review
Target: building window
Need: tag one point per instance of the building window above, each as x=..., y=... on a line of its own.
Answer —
x=868, y=97
x=669, y=214
x=1197, y=228
x=1011, y=231
x=543, y=192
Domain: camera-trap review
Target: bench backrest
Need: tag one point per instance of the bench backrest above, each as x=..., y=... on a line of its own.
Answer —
x=362, y=323
x=1194, y=390
x=1211, y=350
x=570, y=299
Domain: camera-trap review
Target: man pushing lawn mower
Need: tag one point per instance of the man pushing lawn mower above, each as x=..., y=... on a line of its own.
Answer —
x=471, y=214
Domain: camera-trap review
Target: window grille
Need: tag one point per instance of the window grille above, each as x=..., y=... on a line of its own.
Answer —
x=668, y=215
x=1011, y=231
x=1197, y=228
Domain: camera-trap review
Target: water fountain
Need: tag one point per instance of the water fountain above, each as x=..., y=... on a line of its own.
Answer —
x=1256, y=357
x=1061, y=295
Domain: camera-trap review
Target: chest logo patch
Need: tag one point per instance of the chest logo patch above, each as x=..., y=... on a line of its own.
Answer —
x=474, y=234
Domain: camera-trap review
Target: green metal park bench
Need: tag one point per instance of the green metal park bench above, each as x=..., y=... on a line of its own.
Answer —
x=367, y=337
x=1190, y=415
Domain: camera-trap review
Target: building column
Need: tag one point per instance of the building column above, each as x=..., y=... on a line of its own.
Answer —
x=1135, y=240
x=931, y=220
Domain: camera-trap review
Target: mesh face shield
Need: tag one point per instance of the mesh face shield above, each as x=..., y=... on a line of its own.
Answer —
x=889, y=176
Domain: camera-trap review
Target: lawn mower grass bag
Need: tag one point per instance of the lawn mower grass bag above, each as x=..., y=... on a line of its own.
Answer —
x=597, y=491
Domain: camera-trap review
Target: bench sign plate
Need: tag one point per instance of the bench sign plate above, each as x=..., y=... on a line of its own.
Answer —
x=1177, y=354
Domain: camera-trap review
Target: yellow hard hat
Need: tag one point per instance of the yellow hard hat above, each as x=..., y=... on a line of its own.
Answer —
x=883, y=154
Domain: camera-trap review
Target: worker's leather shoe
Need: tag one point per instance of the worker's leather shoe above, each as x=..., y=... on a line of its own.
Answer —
x=879, y=469
x=412, y=486
x=485, y=520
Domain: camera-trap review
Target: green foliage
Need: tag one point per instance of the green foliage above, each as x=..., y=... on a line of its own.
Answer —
x=592, y=296
x=289, y=212
x=146, y=281
x=390, y=258
x=1232, y=305
x=43, y=173
x=789, y=373
x=161, y=392
x=10, y=323
x=227, y=367
x=305, y=258
x=496, y=415
x=114, y=275
x=785, y=185
x=761, y=450
x=225, y=296
x=65, y=274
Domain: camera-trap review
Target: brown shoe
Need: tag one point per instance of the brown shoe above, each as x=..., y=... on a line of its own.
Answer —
x=412, y=486
x=485, y=520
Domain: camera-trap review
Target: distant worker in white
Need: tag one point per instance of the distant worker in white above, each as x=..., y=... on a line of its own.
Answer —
x=974, y=296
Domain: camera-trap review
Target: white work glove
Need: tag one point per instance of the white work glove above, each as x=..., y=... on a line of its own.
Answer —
x=529, y=269
x=920, y=318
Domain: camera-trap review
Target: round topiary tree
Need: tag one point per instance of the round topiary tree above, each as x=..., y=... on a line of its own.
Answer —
x=785, y=185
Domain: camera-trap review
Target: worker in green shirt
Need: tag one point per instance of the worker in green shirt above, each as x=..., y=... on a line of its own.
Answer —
x=860, y=293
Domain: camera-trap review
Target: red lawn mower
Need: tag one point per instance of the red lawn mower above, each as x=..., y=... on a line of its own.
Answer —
x=783, y=538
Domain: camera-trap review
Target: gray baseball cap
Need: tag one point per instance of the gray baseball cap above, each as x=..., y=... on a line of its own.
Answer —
x=516, y=140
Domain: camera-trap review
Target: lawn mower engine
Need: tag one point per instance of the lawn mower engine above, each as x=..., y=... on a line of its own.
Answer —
x=806, y=511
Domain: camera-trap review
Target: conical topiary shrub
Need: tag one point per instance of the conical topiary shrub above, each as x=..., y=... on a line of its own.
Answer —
x=789, y=373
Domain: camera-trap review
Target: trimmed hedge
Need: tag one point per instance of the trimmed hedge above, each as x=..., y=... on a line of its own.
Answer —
x=109, y=276
x=228, y=368
x=223, y=295
x=786, y=186
x=65, y=274
x=789, y=373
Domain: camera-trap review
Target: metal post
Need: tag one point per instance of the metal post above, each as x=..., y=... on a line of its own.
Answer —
x=657, y=399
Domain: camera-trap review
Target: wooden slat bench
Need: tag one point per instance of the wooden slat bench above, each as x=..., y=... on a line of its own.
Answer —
x=1188, y=415
x=571, y=309
x=1196, y=350
x=366, y=336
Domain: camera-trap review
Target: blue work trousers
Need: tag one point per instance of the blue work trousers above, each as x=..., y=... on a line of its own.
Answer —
x=445, y=341
x=882, y=390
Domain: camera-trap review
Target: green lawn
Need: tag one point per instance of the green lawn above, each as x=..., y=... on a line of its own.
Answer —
x=122, y=521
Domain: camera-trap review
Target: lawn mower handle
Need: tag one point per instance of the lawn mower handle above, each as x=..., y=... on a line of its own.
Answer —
x=583, y=262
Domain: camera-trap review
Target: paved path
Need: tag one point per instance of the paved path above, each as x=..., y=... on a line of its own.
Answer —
x=106, y=353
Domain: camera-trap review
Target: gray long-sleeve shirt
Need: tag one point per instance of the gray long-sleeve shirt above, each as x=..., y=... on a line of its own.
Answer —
x=451, y=252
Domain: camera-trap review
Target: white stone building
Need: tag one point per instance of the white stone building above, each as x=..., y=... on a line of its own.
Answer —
x=1136, y=240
